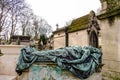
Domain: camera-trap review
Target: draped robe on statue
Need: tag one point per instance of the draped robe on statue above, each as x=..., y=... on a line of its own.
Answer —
x=81, y=61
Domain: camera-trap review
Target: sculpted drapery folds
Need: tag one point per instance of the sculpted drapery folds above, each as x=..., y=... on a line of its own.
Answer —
x=81, y=61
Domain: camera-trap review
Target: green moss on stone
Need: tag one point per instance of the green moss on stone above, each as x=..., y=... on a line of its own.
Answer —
x=112, y=4
x=113, y=9
x=79, y=23
x=110, y=13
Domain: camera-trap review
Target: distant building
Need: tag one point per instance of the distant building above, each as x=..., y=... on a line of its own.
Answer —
x=59, y=38
x=82, y=31
x=20, y=40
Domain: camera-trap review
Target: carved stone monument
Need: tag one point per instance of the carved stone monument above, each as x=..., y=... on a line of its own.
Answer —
x=80, y=62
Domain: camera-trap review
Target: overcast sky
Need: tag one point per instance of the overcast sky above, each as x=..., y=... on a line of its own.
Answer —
x=62, y=11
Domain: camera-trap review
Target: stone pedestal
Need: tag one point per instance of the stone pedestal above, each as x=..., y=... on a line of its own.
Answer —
x=50, y=71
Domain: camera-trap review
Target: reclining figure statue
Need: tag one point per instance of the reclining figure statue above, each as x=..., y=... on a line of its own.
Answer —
x=81, y=61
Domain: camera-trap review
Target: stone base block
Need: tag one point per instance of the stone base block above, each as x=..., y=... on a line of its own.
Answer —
x=49, y=71
x=6, y=77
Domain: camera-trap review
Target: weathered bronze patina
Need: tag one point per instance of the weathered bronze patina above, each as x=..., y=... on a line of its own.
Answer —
x=81, y=61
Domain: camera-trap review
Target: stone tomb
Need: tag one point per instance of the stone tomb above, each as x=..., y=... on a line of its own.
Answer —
x=38, y=71
x=20, y=40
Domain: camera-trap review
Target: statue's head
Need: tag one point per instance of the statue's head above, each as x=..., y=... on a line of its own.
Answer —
x=32, y=43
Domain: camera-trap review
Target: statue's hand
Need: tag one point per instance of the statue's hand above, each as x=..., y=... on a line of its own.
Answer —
x=34, y=53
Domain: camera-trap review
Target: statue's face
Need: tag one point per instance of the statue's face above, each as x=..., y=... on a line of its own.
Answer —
x=32, y=43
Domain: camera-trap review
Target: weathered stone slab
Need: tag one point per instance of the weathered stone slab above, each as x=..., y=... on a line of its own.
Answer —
x=50, y=71
x=11, y=49
x=6, y=77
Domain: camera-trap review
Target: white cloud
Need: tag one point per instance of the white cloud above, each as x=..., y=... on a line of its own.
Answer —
x=61, y=11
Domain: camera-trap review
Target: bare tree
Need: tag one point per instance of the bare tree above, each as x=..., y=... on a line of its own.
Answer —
x=28, y=31
x=4, y=9
x=45, y=28
x=16, y=7
x=11, y=15
x=36, y=21
x=17, y=17
x=25, y=19
x=41, y=27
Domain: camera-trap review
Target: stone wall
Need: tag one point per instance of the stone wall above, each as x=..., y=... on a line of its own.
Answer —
x=8, y=61
x=59, y=40
x=27, y=43
x=79, y=38
x=110, y=37
x=10, y=49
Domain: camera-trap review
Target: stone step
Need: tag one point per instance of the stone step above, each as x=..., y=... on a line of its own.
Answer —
x=6, y=77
